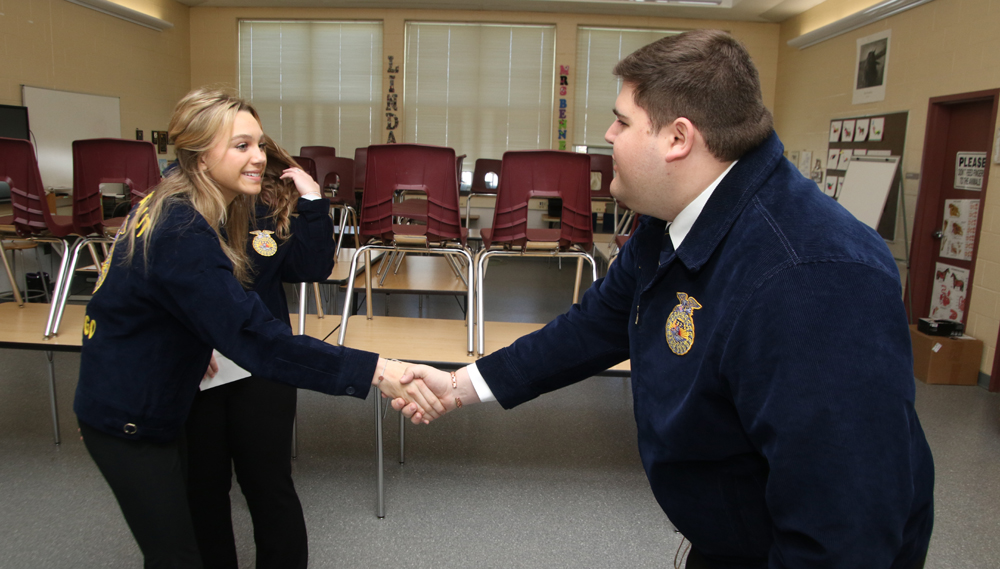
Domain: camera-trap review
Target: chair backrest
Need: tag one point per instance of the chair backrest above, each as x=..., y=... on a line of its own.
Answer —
x=307, y=164
x=529, y=174
x=314, y=151
x=430, y=169
x=99, y=161
x=19, y=169
x=360, y=159
x=339, y=170
x=484, y=167
x=606, y=166
x=458, y=168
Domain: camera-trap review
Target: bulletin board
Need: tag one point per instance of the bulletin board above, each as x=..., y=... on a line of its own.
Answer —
x=874, y=135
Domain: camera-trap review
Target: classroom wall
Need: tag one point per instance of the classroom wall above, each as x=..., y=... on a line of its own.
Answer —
x=58, y=45
x=214, y=40
x=941, y=48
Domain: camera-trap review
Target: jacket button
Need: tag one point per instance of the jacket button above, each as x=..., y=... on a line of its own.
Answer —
x=130, y=429
x=349, y=391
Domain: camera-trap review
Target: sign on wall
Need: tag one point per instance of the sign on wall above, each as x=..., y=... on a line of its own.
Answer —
x=970, y=167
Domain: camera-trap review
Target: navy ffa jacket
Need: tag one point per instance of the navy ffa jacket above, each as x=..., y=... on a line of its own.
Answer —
x=306, y=256
x=151, y=326
x=772, y=376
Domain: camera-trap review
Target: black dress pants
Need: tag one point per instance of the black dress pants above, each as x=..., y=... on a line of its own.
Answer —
x=245, y=425
x=148, y=480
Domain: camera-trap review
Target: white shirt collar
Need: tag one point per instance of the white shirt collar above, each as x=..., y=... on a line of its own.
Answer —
x=684, y=221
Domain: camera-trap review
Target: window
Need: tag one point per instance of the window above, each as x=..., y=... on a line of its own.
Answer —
x=597, y=52
x=481, y=89
x=314, y=83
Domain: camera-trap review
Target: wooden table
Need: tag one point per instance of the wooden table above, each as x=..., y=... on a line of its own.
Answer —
x=437, y=342
x=416, y=275
x=432, y=341
x=23, y=327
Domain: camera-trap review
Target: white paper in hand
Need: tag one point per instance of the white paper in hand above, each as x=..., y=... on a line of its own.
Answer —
x=228, y=372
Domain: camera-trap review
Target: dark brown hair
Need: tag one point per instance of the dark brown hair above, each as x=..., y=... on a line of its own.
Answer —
x=707, y=77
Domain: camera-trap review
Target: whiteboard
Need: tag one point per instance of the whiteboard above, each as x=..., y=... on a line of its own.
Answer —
x=867, y=185
x=57, y=118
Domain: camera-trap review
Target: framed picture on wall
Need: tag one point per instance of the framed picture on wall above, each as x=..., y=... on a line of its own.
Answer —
x=871, y=65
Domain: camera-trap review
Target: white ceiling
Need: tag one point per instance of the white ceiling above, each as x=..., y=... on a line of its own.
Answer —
x=739, y=10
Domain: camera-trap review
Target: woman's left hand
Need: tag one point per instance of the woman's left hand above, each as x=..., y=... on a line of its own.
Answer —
x=304, y=183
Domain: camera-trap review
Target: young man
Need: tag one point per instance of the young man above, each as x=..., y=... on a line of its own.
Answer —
x=771, y=363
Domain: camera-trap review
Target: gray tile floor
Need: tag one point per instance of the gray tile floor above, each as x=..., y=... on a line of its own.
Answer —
x=554, y=483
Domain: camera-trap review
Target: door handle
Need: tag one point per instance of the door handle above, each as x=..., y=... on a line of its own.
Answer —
x=938, y=235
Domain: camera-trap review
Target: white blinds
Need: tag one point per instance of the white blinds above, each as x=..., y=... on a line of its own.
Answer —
x=314, y=83
x=481, y=89
x=597, y=52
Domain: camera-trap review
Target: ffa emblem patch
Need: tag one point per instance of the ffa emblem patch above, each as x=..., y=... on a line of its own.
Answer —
x=680, y=324
x=263, y=243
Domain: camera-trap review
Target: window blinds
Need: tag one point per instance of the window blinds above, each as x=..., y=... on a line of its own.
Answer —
x=314, y=83
x=481, y=89
x=597, y=52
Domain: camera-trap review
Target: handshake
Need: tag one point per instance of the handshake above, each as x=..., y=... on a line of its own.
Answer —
x=423, y=393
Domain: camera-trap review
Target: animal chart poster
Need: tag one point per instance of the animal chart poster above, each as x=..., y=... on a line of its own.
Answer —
x=872, y=64
x=950, y=286
x=960, y=220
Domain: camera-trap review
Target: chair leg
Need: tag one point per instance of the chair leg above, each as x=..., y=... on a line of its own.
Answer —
x=10, y=276
x=342, y=227
x=57, y=292
x=52, y=397
x=399, y=261
x=368, y=283
x=319, y=303
x=480, y=320
x=402, y=438
x=59, y=300
x=579, y=277
x=379, y=470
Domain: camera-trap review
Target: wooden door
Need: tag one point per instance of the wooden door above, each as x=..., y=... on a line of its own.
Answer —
x=954, y=176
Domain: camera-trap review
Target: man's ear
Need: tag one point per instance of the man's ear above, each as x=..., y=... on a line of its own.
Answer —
x=679, y=139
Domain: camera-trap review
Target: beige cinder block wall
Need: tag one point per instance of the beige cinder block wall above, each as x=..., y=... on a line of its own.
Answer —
x=215, y=49
x=941, y=48
x=58, y=45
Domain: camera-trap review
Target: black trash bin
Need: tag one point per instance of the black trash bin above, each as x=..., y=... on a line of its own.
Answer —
x=38, y=290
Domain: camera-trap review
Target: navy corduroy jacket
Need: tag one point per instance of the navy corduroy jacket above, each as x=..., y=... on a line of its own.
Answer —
x=151, y=326
x=785, y=435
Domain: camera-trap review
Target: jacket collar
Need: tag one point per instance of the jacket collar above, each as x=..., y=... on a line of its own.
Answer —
x=728, y=201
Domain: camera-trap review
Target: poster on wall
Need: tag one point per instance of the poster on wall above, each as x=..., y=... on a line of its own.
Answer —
x=872, y=64
x=960, y=220
x=948, y=298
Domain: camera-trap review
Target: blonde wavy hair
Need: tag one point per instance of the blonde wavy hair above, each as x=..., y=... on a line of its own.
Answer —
x=199, y=120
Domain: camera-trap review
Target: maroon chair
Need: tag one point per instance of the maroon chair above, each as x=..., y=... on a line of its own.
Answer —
x=416, y=209
x=391, y=168
x=307, y=164
x=30, y=216
x=314, y=151
x=527, y=174
x=605, y=166
x=623, y=237
x=99, y=161
x=339, y=174
x=480, y=186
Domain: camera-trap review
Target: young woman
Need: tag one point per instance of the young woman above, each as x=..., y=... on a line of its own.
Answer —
x=171, y=290
x=246, y=424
